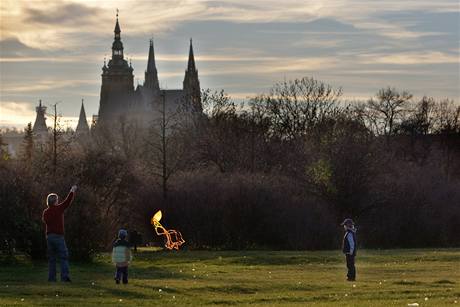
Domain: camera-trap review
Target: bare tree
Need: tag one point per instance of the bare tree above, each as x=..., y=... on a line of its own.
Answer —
x=420, y=119
x=293, y=107
x=228, y=131
x=164, y=151
x=448, y=126
x=57, y=132
x=448, y=117
x=388, y=109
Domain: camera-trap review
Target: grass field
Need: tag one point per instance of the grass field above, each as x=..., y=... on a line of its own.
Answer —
x=385, y=278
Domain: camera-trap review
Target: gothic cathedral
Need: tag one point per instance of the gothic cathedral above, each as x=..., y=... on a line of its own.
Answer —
x=119, y=98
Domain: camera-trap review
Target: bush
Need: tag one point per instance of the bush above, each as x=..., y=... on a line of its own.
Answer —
x=239, y=211
x=21, y=225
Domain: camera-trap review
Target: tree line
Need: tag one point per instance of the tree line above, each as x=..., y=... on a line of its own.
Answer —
x=278, y=171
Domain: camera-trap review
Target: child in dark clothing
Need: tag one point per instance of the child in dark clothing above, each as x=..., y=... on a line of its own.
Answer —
x=121, y=256
x=349, y=247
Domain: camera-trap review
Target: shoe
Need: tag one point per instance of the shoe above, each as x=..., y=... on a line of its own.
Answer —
x=51, y=280
x=67, y=279
x=351, y=279
x=125, y=282
x=117, y=281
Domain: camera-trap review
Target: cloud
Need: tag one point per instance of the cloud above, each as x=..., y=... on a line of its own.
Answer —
x=54, y=49
x=22, y=59
x=43, y=85
x=411, y=58
x=73, y=14
x=15, y=114
x=217, y=65
x=13, y=47
x=159, y=17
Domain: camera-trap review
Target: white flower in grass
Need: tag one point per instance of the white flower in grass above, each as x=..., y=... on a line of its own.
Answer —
x=159, y=290
x=120, y=300
x=413, y=304
x=354, y=286
x=426, y=298
x=174, y=297
x=22, y=300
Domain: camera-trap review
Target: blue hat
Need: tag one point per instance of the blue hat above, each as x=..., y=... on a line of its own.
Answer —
x=347, y=221
x=122, y=233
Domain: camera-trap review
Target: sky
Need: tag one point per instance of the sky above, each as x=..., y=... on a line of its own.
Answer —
x=54, y=50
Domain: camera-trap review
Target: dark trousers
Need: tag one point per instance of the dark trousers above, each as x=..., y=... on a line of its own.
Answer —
x=351, y=275
x=57, y=249
x=122, y=272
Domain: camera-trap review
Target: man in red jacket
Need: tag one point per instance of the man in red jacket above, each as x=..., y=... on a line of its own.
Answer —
x=53, y=217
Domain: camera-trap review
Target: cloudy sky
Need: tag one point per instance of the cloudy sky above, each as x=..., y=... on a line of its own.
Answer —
x=54, y=50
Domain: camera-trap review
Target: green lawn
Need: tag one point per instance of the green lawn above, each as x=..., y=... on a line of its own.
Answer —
x=385, y=278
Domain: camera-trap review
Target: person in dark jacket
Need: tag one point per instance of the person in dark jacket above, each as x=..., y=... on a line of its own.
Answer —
x=135, y=239
x=349, y=247
x=53, y=217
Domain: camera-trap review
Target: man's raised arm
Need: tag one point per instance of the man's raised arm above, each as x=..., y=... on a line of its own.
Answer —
x=68, y=200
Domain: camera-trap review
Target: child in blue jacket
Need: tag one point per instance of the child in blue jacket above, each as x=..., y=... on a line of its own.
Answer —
x=349, y=247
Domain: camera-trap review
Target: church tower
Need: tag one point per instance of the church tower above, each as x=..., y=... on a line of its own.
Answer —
x=82, y=127
x=192, y=91
x=40, y=130
x=151, y=74
x=40, y=120
x=117, y=83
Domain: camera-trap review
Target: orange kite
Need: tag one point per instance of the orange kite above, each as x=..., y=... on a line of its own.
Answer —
x=174, y=238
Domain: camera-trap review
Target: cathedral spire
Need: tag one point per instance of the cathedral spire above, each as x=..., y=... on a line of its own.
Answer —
x=82, y=126
x=151, y=74
x=117, y=29
x=191, y=84
x=151, y=60
x=117, y=46
x=191, y=58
